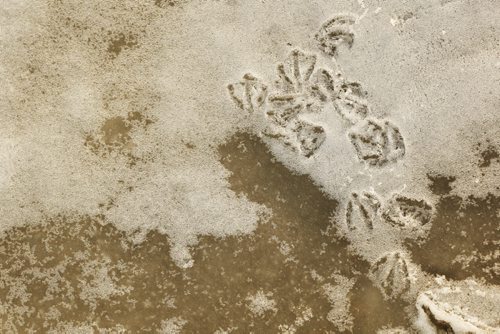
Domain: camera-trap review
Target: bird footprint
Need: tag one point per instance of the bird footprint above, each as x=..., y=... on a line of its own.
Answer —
x=249, y=94
x=390, y=273
x=405, y=212
x=377, y=142
x=362, y=211
x=335, y=32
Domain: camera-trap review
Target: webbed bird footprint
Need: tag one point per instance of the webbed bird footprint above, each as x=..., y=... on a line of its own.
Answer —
x=362, y=211
x=249, y=94
x=283, y=109
x=299, y=136
x=404, y=212
x=391, y=275
x=294, y=73
x=323, y=86
x=298, y=89
x=335, y=32
x=351, y=102
x=377, y=142
x=309, y=137
x=298, y=81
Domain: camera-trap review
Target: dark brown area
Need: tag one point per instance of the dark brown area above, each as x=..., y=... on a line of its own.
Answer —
x=307, y=211
x=148, y=288
x=488, y=155
x=121, y=42
x=463, y=240
x=440, y=184
x=115, y=135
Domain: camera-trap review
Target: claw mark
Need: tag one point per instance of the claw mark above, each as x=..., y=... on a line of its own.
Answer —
x=391, y=274
x=335, y=32
x=362, y=210
x=249, y=94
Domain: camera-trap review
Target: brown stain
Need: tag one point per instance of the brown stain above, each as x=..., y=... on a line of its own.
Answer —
x=121, y=42
x=115, y=135
x=212, y=294
x=488, y=155
x=116, y=131
x=57, y=253
x=440, y=184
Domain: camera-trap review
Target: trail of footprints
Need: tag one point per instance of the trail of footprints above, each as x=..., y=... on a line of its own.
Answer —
x=366, y=212
x=366, y=209
x=301, y=88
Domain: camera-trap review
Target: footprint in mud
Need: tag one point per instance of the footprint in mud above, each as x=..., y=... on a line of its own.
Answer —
x=336, y=32
x=314, y=95
x=367, y=211
x=324, y=85
x=283, y=109
x=299, y=81
x=362, y=211
x=377, y=142
x=300, y=136
x=310, y=137
x=301, y=88
x=298, y=89
x=390, y=272
x=351, y=102
x=294, y=73
x=404, y=212
x=249, y=94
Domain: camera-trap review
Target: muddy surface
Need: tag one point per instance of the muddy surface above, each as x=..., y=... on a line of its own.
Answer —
x=80, y=271
x=181, y=166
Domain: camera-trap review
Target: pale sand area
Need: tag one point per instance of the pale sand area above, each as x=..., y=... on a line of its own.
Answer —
x=249, y=166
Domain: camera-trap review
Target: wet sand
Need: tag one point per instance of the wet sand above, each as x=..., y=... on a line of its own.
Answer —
x=53, y=272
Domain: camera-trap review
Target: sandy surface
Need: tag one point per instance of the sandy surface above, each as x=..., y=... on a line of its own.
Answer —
x=249, y=166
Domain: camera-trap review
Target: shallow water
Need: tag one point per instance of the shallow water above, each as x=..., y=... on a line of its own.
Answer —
x=81, y=272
